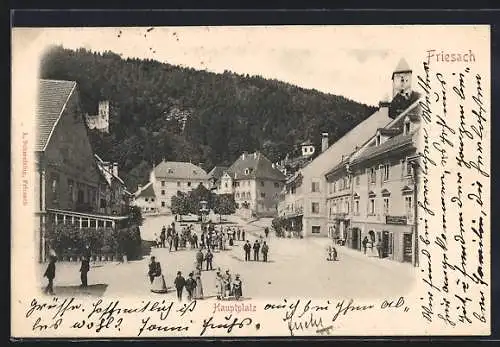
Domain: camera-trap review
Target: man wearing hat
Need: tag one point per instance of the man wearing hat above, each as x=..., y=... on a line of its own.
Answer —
x=50, y=273
x=237, y=291
x=179, y=283
x=190, y=286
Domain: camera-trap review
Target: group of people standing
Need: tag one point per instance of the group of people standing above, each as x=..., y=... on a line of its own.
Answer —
x=227, y=286
x=258, y=245
x=192, y=284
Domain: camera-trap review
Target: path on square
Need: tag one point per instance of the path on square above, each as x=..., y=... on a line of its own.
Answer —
x=296, y=268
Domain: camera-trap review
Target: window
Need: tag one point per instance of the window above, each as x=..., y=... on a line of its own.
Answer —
x=247, y=171
x=276, y=185
x=152, y=199
x=170, y=171
x=146, y=199
x=409, y=170
x=70, y=189
x=378, y=140
x=407, y=127
x=236, y=184
x=163, y=204
x=237, y=195
x=262, y=195
x=225, y=184
x=373, y=175
x=163, y=183
x=408, y=205
x=315, y=229
x=178, y=184
x=262, y=183
x=357, y=180
x=315, y=207
x=102, y=203
x=386, y=206
x=162, y=192
x=356, y=207
x=334, y=186
x=386, y=172
x=371, y=206
x=189, y=184
x=335, y=207
x=346, y=206
x=315, y=187
x=293, y=190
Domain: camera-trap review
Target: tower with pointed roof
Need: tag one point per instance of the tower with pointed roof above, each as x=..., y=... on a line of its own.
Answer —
x=401, y=79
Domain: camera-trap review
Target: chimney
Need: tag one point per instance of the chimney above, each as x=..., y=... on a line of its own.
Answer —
x=115, y=169
x=243, y=155
x=324, y=142
x=139, y=187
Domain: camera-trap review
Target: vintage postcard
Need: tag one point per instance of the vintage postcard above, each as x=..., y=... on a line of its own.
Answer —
x=251, y=181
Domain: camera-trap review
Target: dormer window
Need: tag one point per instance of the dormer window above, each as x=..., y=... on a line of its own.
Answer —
x=378, y=139
x=170, y=171
x=247, y=171
x=407, y=126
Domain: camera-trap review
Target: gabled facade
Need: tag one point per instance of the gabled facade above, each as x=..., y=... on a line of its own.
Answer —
x=67, y=176
x=145, y=199
x=256, y=183
x=113, y=198
x=169, y=177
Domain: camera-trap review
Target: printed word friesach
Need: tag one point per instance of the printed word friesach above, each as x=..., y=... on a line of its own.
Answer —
x=450, y=57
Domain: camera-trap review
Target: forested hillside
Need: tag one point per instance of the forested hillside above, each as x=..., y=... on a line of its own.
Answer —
x=160, y=111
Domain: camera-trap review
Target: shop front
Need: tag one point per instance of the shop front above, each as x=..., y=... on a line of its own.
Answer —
x=393, y=239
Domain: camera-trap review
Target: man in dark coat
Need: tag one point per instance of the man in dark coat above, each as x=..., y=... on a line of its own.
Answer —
x=266, y=231
x=256, y=248
x=265, y=250
x=199, y=258
x=84, y=269
x=176, y=241
x=238, y=233
x=179, y=283
x=209, y=257
x=243, y=234
x=195, y=240
x=50, y=273
x=190, y=286
x=247, y=247
x=162, y=237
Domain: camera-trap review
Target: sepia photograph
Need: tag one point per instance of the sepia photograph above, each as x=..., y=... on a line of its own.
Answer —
x=255, y=172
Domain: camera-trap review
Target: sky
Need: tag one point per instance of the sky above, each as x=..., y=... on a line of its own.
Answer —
x=353, y=61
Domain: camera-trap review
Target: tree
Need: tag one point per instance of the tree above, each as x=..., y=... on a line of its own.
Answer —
x=179, y=204
x=135, y=216
x=224, y=205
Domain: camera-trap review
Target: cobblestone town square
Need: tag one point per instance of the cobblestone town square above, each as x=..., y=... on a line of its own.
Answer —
x=296, y=267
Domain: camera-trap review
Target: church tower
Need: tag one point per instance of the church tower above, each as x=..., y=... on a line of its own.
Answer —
x=401, y=80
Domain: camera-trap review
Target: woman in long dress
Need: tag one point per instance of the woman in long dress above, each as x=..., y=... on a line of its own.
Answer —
x=219, y=284
x=198, y=292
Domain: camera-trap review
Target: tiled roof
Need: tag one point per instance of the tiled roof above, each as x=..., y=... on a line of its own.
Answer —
x=338, y=166
x=392, y=143
x=146, y=191
x=347, y=143
x=52, y=98
x=402, y=66
x=178, y=169
x=217, y=172
x=259, y=167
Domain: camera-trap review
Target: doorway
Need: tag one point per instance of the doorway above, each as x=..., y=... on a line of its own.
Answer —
x=355, y=244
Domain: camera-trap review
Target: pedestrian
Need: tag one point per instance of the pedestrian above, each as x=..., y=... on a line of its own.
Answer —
x=50, y=273
x=266, y=231
x=243, y=234
x=334, y=253
x=154, y=269
x=170, y=240
x=176, y=241
x=238, y=233
x=237, y=290
x=190, y=286
x=163, y=237
x=227, y=283
x=209, y=257
x=247, y=247
x=84, y=269
x=199, y=258
x=219, y=285
x=198, y=292
x=195, y=240
x=256, y=247
x=179, y=284
x=379, y=247
x=265, y=250
x=364, y=243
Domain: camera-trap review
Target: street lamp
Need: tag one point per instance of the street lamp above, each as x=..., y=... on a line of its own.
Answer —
x=413, y=161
